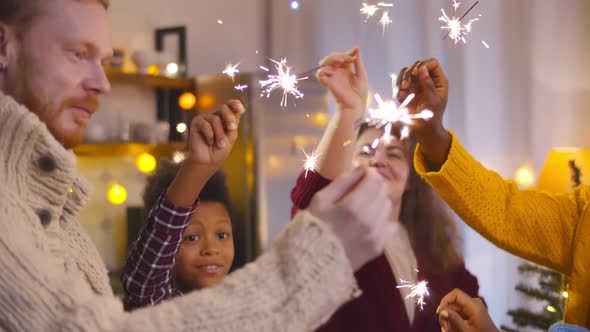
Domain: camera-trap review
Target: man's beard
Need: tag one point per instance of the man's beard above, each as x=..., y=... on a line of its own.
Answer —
x=27, y=94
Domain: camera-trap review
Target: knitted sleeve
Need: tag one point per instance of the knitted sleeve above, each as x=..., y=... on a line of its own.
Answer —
x=295, y=286
x=535, y=225
x=307, y=184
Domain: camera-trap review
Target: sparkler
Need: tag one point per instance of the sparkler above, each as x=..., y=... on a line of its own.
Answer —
x=283, y=80
x=231, y=70
x=310, y=162
x=389, y=113
x=456, y=30
x=418, y=291
x=369, y=10
x=241, y=87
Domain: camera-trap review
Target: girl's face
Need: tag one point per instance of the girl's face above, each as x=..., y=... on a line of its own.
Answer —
x=388, y=158
x=206, y=253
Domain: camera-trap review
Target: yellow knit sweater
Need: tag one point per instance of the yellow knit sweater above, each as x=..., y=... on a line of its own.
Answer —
x=551, y=230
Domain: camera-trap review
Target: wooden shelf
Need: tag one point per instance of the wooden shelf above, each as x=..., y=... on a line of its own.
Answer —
x=163, y=82
x=127, y=149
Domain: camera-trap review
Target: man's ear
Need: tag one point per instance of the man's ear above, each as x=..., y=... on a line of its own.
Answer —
x=7, y=37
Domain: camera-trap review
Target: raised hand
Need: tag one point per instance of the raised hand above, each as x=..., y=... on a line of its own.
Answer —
x=344, y=74
x=212, y=135
x=357, y=208
x=428, y=82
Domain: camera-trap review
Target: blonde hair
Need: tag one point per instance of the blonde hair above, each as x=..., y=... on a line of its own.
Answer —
x=20, y=13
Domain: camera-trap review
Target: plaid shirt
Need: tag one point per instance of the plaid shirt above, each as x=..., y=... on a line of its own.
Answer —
x=146, y=276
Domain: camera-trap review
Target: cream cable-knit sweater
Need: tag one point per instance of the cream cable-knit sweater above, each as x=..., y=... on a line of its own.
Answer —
x=52, y=278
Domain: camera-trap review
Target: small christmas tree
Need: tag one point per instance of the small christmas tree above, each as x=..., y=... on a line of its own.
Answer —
x=551, y=289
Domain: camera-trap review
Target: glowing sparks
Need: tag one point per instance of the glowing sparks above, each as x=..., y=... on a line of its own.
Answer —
x=457, y=30
x=485, y=44
x=231, y=70
x=389, y=112
x=283, y=80
x=369, y=10
x=385, y=20
x=418, y=291
x=311, y=161
x=241, y=87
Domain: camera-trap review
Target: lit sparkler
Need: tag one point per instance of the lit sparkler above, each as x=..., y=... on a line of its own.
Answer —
x=369, y=10
x=241, y=87
x=389, y=112
x=385, y=20
x=231, y=70
x=457, y=30
x=418, y=291
x=283, y=80
x=310, y=162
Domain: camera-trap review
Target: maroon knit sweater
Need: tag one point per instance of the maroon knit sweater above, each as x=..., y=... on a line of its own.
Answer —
x=381, y=307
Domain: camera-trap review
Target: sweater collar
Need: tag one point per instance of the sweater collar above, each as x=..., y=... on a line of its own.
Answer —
x=35, y=166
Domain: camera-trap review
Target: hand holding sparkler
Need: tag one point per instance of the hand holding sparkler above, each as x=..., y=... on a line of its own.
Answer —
x=427, y=81
x=458, y=312
x=213, y=134
x=344, y=74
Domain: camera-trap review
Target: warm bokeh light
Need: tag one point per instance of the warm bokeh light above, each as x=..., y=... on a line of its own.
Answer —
x=172, y=69
x=153, y=70
x=181, y=127
x=525, y=177
x=206, y=101
x=117, y=194
x=146, y=163
x=187, y=101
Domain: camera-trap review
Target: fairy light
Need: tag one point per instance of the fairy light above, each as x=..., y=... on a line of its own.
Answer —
x=282, y=80
x=231, y=70
x=418, y=291
x=551, y=309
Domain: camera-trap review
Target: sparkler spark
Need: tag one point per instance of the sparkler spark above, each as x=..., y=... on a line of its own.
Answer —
x=388, y=113
x=485, y=44
x=241, y=87
x=231, y=70
x=457, y=30
x=418, y=291
x=385, y=20
x=369, y=10
x=310, y=162
x=283, y=80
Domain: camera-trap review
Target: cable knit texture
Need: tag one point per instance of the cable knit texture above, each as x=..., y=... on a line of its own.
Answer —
x=549, y=229
x=54, y=280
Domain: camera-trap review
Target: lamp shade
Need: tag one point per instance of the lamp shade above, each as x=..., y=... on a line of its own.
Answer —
x=557, y=175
